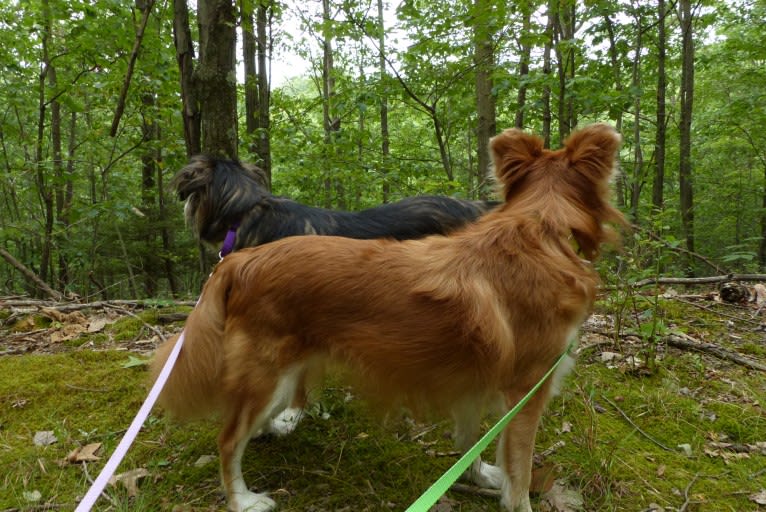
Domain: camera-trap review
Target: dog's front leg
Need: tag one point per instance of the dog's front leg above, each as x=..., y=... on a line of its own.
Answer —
x=467, y=423
x=516, y=449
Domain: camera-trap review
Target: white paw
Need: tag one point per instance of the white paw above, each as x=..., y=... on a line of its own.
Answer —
x=524, y=506
x=285, y=422
x=251, y=502
x=485, y=475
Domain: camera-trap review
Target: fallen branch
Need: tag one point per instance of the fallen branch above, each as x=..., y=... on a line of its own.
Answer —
x=699, y=280
x=22, y=303
x=686, y=342
x=31, y=276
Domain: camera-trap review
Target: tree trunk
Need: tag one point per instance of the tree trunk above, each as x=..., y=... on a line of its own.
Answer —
x=658, y=199
x=565, y=52
x=546, y=97
x=182, y=39
x=384, y=136
x=331, y=121
x=484, y=60
x=263, y=148
x=524, y=58
x=64, y=196
x=762, y=246
x=638, y=156
x=251, y=71
x=43, y=188
x=148, y=232
x=687, y=99
x=617, y=72
x=215, y=77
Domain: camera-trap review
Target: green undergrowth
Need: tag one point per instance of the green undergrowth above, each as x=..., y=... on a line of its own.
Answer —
x=622, y=439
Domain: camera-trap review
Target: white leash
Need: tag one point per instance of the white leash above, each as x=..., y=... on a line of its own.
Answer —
x=127, y=440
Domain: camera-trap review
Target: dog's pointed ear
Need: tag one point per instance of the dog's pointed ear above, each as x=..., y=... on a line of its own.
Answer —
x=594, y=149
x=512, y=152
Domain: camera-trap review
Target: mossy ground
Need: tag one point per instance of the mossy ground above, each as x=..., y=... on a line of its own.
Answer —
x=353, y=461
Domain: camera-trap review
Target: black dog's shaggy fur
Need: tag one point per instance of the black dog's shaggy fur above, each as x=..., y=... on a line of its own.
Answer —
x=221, y=193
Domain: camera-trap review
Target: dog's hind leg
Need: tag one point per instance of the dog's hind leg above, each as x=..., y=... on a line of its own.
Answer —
x=287, y=420
x=253, y=412
x=309, y=378
x=467, y=416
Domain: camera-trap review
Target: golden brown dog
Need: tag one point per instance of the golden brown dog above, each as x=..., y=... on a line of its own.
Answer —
x=449, y=322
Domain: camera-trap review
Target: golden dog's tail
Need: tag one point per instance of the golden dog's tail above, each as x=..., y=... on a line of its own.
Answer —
x=193, y=389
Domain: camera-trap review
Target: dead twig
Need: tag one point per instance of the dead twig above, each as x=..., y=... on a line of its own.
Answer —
x=478, y=491
x=719, y=313
x=632, y=423
x=147, y=325
x=687, y=501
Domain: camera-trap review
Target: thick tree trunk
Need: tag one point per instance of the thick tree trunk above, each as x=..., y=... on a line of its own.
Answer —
x=215, y=77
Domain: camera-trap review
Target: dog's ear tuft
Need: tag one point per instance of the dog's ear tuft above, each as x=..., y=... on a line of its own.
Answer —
x=594, y=149
x=512, y=152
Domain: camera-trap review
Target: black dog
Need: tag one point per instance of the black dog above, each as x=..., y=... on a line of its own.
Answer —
x=223, y=195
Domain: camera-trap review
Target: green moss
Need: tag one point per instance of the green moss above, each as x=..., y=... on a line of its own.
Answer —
x=354, y=461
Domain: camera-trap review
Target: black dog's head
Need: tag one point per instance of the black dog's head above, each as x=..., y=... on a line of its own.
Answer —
x=218, y=194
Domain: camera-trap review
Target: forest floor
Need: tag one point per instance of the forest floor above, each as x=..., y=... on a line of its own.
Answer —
x=664, y=411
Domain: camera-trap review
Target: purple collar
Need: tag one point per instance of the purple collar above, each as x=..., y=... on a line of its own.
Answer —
x=229, y=241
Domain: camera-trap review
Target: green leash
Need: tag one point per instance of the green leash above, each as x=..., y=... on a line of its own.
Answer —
x=438, y=488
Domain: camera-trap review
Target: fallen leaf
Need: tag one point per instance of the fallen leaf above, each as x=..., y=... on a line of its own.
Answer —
x=661, y=470
x=130, y=480
x=85, y=453
x=134, y=361
x=443, y=505
x=759, y=497
x=562, y=499
x=32, y=496
x=204, y=460
x=97, y=323
x=760, y=294
x=542, y=479
x=44, y=438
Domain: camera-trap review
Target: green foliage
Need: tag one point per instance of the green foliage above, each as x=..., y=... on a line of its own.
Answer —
x=103, y=226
